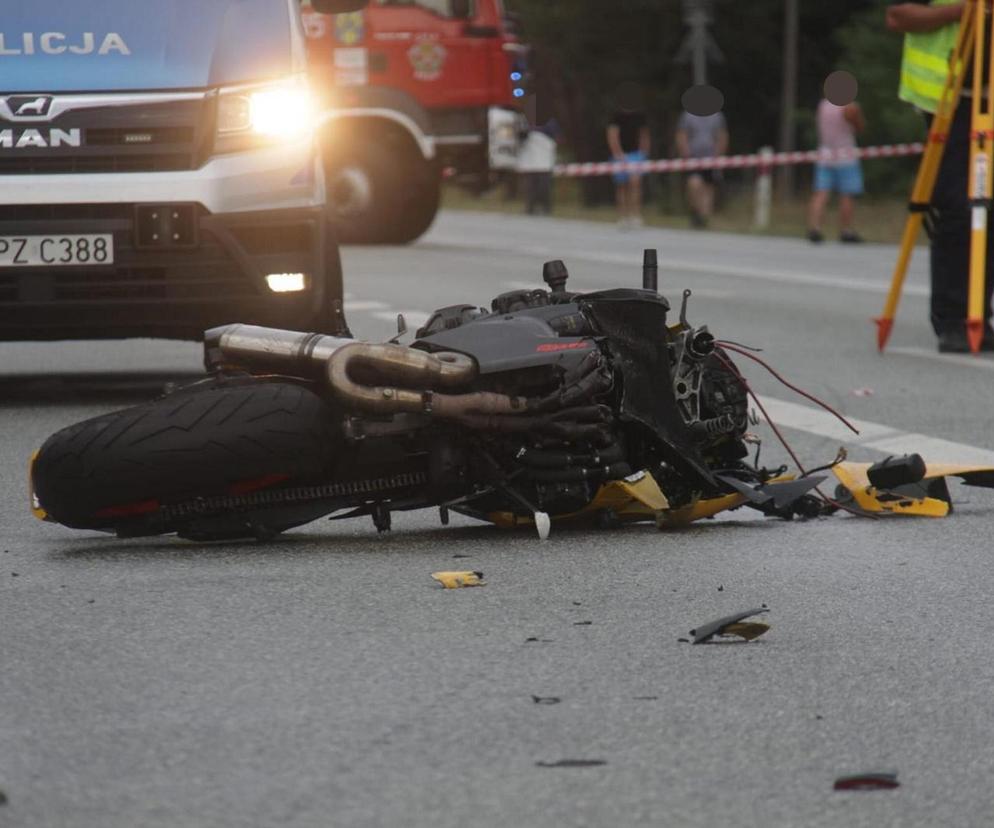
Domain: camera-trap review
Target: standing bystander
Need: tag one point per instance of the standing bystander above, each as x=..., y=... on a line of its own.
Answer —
x=536, y=162
x=930, y=31
x=839, y=120
x=701, y=136
x=628, y=139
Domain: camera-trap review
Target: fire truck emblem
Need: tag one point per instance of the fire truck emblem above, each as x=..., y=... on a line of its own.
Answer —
x=427, y=59
x=350, y=28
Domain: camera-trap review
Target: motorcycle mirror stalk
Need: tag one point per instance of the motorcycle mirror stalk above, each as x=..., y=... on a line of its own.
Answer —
x=650, y=270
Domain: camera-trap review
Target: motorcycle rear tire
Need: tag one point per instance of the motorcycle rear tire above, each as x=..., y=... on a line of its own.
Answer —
x=117, y=471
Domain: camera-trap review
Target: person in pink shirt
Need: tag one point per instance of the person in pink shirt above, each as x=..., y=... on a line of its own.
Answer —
x=837, y=130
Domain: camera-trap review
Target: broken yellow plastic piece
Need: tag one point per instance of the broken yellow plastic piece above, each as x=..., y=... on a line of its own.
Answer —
x=36, y=508
x=455, y=580
x=638, y=494
x=746, y=629
x=698, y=510
x=636, y=497
x=853, y=477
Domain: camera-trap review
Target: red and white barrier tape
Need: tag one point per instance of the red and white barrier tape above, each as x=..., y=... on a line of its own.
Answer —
x=726, y=162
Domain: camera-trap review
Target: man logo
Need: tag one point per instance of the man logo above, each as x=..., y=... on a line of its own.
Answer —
x=29, y=107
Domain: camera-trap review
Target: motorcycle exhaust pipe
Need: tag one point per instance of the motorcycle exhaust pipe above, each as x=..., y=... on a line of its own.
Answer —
x=354, y=372
x=254, y=348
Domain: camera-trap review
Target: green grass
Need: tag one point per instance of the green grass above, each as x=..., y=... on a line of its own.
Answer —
x=878, y=219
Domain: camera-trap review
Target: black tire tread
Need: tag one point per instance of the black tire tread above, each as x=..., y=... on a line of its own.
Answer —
x=184, y=446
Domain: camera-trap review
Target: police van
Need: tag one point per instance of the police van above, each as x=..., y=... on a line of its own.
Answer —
x=158, y=170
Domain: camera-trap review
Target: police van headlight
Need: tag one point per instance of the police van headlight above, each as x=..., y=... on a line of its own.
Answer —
x=249, y=117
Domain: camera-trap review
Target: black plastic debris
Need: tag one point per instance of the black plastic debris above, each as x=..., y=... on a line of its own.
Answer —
x=3, y=798
x=534, y=639
x=546, y=699
x=897, y=471
x=777, y=495
x=572, y=763
x=706, y=632
x=582, y=623
x=871, y=781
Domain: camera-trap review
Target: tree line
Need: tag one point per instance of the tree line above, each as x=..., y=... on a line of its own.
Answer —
x=584, y=49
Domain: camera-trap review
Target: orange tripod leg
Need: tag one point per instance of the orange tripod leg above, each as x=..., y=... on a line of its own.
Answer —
x=928, y=170
x=981, y=177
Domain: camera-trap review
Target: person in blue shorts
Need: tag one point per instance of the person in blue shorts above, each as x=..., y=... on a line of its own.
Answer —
x=628, y=139
x=837, y=130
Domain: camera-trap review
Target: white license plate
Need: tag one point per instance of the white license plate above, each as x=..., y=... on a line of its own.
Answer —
x=53, y=251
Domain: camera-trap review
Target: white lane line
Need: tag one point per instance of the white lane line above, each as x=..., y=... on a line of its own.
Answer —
x=708, y=293
x=359, y=305
x=874, y=435
x=414, y=318
x=966, y=360
x=666, y=263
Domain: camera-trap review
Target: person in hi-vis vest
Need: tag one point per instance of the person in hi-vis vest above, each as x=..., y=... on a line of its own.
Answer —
x=930, y=31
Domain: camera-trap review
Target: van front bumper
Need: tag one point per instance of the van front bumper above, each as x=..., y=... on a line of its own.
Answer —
x=241, y=218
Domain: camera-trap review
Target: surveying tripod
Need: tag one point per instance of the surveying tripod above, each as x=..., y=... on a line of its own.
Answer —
x=973, y=42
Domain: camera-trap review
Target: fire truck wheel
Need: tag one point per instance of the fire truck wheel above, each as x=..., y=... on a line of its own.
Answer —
x=421, y=205
x=362, y=192
x=378, y=194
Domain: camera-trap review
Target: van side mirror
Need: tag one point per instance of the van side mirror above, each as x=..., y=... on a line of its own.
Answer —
x=337, y=6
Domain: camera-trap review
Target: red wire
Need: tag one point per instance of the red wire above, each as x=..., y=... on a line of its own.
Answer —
x=783, y=441
x=730, y=347
x=730, y=365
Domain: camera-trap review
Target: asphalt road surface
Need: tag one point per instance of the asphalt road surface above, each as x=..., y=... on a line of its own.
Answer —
x=325, y=680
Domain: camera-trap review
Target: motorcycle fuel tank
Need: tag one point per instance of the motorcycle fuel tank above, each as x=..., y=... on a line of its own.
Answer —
x=510, y=342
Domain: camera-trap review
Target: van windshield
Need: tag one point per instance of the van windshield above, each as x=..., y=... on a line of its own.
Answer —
x=113, y=45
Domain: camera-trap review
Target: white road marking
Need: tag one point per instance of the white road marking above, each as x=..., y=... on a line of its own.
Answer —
x=667, y=263
x=980, y=361
x=708, y=293
x=874, y=435
x=361, y=305
x=414, y=318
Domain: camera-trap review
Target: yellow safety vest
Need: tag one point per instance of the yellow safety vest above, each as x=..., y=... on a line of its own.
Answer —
x=925, y=64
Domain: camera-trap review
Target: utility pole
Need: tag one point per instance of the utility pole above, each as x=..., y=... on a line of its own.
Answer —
x=698, y=46
x=788, y=101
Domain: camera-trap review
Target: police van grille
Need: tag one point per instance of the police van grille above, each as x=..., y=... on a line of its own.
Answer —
x=132, y=162
x=154, y=136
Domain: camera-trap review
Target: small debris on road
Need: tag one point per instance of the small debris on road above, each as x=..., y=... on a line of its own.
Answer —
x=15, y=574
x=455, y=580
x=460, y=556
x=721, y=587
x=92, y=601
x=645, y=698
x=572, y=763
x=862, y=392
x=582, y=623
x=546, y=699
x=3, y=798
x=871, y=781
x=532, y=639
x=684, y=640
x=732, y=625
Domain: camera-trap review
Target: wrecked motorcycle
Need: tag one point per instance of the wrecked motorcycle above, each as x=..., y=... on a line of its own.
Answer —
x=552, y=406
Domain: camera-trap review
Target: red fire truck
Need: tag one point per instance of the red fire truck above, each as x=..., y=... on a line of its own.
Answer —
x=410, y=88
